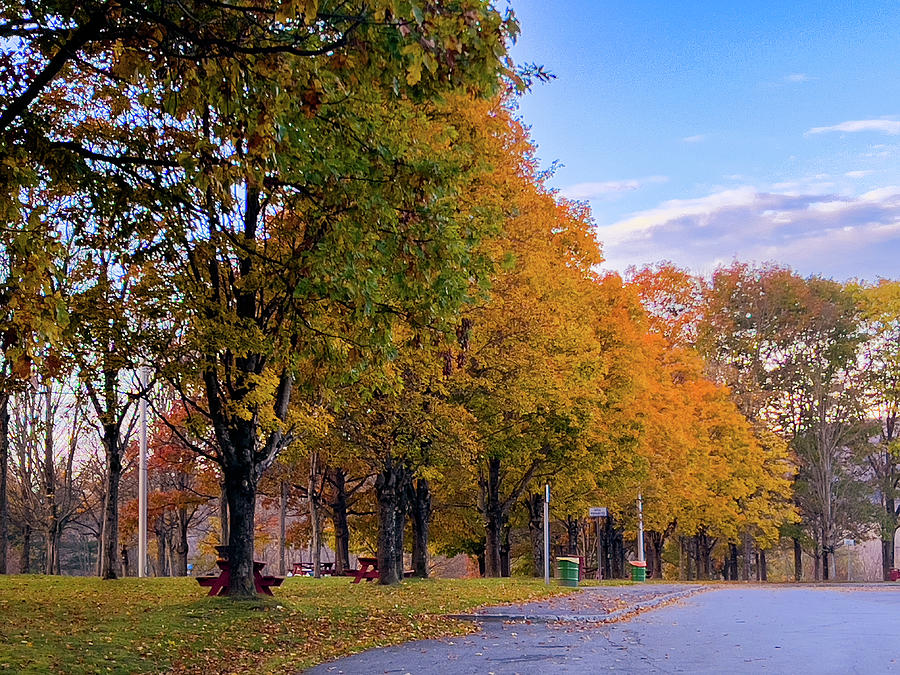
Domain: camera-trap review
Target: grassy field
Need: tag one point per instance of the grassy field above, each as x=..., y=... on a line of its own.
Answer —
x=84, y=625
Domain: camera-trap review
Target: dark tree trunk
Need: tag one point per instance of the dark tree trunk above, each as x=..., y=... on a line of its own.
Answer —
x=572, y=534
x=181, y=544
x=826, y=565
x=421, y=517
x=535, y=505
x=887, y=558
x=161, y=546
x=339, y=520
x=109, y=544
x=504, y=551
x=748, y=550
x=25, y=559
x=703, y=551
x=4, y=469
x=887, y=538
x=493, y=517
x=762, y=566
x=798, y=560
x=656, y=542
x=391, y=489
x=614, y=548
x=241, y=491
x=733, y=551
x=49, y=481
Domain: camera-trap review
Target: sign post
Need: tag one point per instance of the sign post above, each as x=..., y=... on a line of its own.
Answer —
x=598, y=512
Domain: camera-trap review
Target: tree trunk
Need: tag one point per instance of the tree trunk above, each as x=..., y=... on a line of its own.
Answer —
x=315, y=530
x=161, y=546
x=733, y=551
x=656, y=542
x=49, y=481
x=887, y=558
x=572, y=535
x=223, y=514
x=493, y=521
x=421, y=517
x=798, y=560
x=762, y=566
x=282, y=528
x=339, y=520
x=614, y=546
x=702, y=560
x=504, y=551
x=826, y=565
x=4, y=469
x=109, y=538
x=181, y=544
x=748, y=550
x=241, y=491
x=535, y=505
x=391, y=487
x=25, y=559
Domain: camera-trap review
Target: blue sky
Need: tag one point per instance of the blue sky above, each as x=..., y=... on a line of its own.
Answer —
x=701, y=132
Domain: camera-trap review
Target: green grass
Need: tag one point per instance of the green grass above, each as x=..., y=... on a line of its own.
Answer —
x=85, y=625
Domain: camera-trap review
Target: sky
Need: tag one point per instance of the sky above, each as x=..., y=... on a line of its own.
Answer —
x=703, y=131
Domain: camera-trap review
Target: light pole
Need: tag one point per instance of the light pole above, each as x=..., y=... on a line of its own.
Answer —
x=142, y=475
x=547, y=534
x=640, y=505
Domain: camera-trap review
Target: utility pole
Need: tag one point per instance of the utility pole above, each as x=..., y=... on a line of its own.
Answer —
x=640, y=506
x=142, y=475
x=547, y=534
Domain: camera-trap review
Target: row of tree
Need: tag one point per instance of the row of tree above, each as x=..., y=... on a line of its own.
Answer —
x=323, y=230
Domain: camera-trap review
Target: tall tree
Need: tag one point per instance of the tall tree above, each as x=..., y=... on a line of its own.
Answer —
x=881, y=354
x=300, y=184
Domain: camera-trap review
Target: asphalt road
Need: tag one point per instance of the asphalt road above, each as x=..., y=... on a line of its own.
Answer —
x=780, y=629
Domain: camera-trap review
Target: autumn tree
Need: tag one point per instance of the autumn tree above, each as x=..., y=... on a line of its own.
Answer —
x=881, y=360
x=276, y=147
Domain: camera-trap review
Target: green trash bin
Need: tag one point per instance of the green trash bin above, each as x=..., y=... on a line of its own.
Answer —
x=638, y=570
x=568, y=571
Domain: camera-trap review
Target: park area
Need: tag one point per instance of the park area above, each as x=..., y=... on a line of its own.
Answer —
x=86, y=625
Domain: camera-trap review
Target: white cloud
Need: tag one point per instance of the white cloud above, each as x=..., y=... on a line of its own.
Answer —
x=891, y=127
x=608, y=189
x=797, y=78
x=859, y=174
x=699, y=138
x=831, y=234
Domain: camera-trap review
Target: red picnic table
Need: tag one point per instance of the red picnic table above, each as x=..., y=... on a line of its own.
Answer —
x=219, y=585
x=367, y=568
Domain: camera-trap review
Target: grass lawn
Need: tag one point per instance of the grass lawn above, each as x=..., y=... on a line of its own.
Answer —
x=85, y=625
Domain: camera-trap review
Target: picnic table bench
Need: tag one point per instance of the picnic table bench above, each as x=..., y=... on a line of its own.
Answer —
x=367, y=568
x=306, y=569
x=219, y=584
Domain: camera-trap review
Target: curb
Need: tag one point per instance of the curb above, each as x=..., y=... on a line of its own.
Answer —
x=617, y=615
